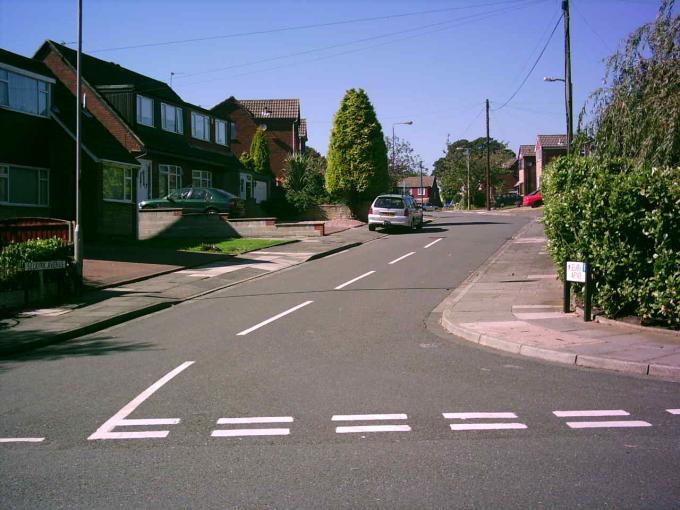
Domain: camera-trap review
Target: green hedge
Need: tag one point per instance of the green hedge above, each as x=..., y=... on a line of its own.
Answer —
x=625, y=220
x=15, y=255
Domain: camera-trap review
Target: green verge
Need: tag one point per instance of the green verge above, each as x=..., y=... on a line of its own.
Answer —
x=232, y=246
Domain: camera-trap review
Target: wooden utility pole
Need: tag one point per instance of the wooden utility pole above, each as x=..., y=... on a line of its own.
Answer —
x=567, y=76
x=488, y=161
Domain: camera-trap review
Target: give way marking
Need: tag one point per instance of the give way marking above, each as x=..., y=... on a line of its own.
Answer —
x=119, y=419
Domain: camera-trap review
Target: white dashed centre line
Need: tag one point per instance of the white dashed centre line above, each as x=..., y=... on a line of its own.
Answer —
x=673, y=411
x=21, y=439
x=433, y=242
x=272, y=319
x=402, y=257
x=350, y=282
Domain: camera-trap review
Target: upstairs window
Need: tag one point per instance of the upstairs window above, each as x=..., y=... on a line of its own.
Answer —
x=232, y=131
x=144, y=110
x=24, y=94
x=220, y=132
x=171, y=118
x=200, y=126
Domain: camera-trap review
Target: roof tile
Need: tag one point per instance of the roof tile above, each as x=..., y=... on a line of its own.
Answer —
x=272, y=108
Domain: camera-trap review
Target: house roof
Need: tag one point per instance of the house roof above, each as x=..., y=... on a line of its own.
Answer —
x=554, y=141
x=101, y=73
x=303, y=128
x=272, y=108
x=509, y=163
x=414, y=182
x=526, y=150
x=28, y=64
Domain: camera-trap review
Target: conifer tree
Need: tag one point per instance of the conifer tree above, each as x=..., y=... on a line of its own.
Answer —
x=357, y=154
x=259, y=153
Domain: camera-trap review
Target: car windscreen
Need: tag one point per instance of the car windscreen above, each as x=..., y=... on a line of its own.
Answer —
x=389, y=203
x=222, y=195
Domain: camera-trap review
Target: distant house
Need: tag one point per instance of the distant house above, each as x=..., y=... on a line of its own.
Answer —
x=526, y=159
x=176, y=144
x=426, y=192
x=37, y=154
x=285, y=130
x=508, y=177
x=548, y=147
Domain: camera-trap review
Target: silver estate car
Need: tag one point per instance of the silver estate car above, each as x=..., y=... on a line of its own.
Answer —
x=395, y=210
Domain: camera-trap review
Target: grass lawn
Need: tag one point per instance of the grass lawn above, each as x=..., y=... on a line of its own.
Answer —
x=230, y=246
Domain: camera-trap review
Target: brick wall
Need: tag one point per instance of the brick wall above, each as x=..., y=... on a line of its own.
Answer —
x=117, y=219
x=102, y=111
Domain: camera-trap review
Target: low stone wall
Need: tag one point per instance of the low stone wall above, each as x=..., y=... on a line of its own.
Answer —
x=172, y=223
x=329, y=212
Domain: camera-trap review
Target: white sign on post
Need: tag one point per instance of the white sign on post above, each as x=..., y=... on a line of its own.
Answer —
x=45, y=264
x=576, y=272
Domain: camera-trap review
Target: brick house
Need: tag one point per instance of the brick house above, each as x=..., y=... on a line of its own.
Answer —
x=37, y=154
x=526, y=159
x=548, y=147
x=285, y=130
x=176, y=144
x=428, y=193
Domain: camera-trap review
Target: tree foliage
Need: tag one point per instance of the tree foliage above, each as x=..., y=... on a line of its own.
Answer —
x=451, y=169
x=636, y=114
x=357, y=155
x=304, y=181
x=259, y=152
x=402, y=159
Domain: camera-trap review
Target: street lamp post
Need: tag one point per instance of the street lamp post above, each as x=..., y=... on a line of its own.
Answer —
x=406, y=123
x=466, y=151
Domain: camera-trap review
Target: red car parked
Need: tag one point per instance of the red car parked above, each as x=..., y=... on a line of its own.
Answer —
x=533, y=199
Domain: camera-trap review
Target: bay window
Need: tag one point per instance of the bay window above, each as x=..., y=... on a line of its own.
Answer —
x=201, y=179
x=170, y=179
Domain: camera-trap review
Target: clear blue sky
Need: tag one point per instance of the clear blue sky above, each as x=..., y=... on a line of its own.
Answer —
x=434, y=68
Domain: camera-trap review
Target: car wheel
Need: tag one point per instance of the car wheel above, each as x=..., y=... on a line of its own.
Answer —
x=371, y=228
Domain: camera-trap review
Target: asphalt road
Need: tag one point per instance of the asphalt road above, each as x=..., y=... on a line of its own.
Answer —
x=348, y=398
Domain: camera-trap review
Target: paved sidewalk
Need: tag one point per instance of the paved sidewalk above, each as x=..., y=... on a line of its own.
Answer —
x=513, y=303
x=103, y=308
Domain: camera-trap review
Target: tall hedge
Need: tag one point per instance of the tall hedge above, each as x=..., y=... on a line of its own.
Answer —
x=357, y=154
x=625, y=220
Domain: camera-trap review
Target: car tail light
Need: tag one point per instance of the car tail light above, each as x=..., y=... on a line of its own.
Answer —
x=370, y=209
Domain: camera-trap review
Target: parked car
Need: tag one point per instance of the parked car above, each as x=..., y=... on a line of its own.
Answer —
x=533, y=199
x=206, y=200
x=395, y=210
x=512, y=199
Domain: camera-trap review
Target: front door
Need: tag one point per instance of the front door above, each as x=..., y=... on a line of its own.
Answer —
x=143, y=180
x=246, y=187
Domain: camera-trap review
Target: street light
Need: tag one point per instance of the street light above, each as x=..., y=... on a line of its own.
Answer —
x=406, y=123
x=551, y=78
x=567, y=106
x=467, y=153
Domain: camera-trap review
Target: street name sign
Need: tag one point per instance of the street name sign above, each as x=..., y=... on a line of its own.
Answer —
x=45, y=264
x=576, y=272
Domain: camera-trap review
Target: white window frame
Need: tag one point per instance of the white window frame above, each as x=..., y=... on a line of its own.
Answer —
x=42, y=89
x=128, y=183
x=221, y=140
x=43, y=177
x=140, y=119
x=205, y=121
x=201, y=178
x=165, y=172
x=232, y=131
x=179, y=121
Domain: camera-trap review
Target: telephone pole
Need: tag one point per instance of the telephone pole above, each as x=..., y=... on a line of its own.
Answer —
x=488, y=161
x=567, y=75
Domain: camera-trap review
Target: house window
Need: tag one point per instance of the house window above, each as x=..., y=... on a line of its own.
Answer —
x=421, y=192
x=200, y=126
x=117, y=183
x=145, y=110
x=170, y=179
x=232, y=131
x=201, y=178
x=24, y=186
x=220, y=132
x=24, y=94
x=171, y=118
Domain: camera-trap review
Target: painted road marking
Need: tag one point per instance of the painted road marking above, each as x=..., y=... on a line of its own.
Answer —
x=119, y=419
x=368, y=417
x=673, y=411
x=372, y=428
x=484, y=416
x=607, y=424
x=357, y=429
x=252, y=432
x=487, y=426
x=21, y=439
x=433, y=242
x=272, y=319
x=354, y=280
x=403, y=257
x=574, y=414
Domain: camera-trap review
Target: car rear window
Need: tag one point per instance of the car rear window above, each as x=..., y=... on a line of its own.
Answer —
x=389, y=203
